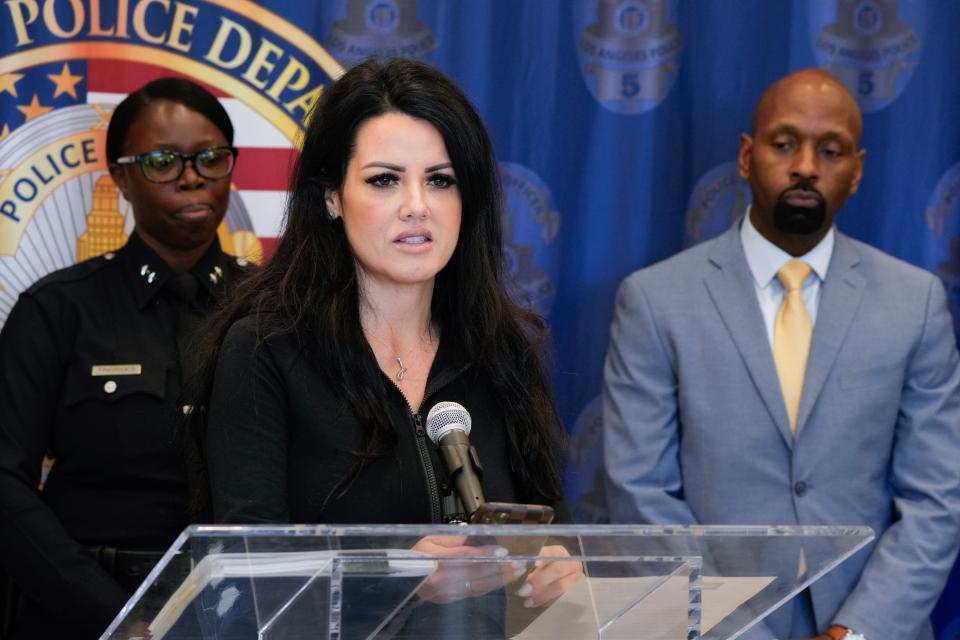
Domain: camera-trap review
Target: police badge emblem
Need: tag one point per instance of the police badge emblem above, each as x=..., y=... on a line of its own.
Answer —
x=531, y=222
x=943, y=220
x=718, y=199
x=629, y=51
x=871, y=45
x=380, y=29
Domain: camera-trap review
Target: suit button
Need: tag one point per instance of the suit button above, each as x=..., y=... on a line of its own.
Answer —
x=800, y=488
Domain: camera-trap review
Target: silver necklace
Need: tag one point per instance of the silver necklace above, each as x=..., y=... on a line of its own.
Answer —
x=402, y=372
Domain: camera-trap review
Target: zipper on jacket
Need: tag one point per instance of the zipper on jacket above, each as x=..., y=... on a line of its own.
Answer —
x=427, y=464
x=420, y=435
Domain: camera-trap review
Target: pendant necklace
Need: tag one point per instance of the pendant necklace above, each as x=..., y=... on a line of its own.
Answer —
x=402, y=372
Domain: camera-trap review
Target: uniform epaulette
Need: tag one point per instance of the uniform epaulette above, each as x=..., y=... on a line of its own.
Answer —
x=75, y=273
x=240, y=266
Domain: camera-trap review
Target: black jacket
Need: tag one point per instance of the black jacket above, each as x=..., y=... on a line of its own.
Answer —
x=279, y=440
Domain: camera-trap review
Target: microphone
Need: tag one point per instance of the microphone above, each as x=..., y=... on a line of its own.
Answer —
x=448, y=425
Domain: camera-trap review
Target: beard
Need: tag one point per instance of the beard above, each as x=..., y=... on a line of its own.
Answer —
x=800, y=220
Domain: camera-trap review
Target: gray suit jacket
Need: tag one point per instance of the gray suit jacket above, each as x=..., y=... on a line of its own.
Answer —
x=696, y=431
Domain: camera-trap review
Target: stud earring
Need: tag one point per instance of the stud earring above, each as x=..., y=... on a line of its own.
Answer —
x=327, y=201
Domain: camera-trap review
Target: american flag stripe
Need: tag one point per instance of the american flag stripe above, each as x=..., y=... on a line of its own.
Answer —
x=124, y=76
x=266, y=211
x=262, y=169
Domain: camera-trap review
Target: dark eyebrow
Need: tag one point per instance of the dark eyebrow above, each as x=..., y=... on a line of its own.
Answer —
x=784, y=128
x=836, y=136
x=827, y=136
x=399, y=169
x=384, y=165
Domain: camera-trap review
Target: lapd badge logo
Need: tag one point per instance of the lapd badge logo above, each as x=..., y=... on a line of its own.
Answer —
x=62, y=70
x=719, y=198
x=629, y=51
x=871, y=45
x=943, y=219
x=379, y=29
x=584, y=482
x=530, y=226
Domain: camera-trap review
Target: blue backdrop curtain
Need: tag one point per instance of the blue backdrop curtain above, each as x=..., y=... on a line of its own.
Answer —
x=617, y=124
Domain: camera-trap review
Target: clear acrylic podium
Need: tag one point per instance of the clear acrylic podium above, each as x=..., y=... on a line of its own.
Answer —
x=318, y=581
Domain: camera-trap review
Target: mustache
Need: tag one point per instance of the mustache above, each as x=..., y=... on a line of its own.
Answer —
x=803, y=185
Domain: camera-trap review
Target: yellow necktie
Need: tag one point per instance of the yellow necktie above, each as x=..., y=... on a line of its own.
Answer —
x=792, y=333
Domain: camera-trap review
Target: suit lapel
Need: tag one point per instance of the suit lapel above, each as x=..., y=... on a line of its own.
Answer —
x=839, y=299
x=731, y=288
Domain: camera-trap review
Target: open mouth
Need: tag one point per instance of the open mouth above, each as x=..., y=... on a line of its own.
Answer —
x=413, y=240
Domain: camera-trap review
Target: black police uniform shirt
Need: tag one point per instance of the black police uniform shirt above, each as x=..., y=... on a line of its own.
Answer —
x=90, y=376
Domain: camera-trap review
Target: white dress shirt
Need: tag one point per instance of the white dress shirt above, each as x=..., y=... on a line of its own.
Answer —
x=765, y=258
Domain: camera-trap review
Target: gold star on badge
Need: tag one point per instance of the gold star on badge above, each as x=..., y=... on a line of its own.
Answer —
x=66, y=82
x=33, y=109
x=4, y=132
x=8, y=83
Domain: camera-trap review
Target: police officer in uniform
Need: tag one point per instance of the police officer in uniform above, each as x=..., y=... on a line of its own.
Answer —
x=93, y=359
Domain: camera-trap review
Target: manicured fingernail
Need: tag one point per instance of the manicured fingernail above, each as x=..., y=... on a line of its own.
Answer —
x=518, y=565
x=528, y=603
x=525, y=590
x=501, y=551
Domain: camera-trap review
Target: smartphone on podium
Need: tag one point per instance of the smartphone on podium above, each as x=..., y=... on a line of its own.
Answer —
x=511, y=513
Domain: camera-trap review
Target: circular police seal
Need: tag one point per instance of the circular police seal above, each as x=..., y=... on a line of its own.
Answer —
x=58, y=203
x=718, y=199
x=379, y=29
x=629, y=51
x=867, y=17
x=631, y=18
x=872, y=46
x=530, y=225
x=942, y=218
x=382, y=16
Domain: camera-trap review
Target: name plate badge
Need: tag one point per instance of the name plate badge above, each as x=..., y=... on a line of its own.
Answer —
x=116, y=370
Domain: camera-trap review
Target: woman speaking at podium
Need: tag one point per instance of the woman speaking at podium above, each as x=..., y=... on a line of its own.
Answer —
x=385, y=297
x=92, y=362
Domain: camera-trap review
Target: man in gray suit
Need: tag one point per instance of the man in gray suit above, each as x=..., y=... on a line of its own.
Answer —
x=857, y=424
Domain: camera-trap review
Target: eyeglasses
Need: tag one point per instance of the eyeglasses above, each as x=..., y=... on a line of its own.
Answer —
x=161, y=165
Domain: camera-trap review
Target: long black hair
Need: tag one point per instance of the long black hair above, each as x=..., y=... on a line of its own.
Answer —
x=310, y=285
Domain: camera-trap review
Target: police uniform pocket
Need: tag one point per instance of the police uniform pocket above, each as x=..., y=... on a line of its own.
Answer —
x=111, y=382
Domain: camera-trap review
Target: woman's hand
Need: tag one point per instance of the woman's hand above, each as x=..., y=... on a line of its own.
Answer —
x=550, y=579
x=455, y=580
